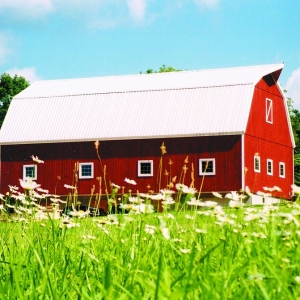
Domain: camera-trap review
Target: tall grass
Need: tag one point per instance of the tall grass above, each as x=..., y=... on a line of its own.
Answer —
x=246, y=253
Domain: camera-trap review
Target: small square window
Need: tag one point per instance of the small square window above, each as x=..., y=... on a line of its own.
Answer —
x=86, y=170
x=257, y=163
x=269, y=111
x=269, y=166
x=282, y=170
x=30, y=171
x=207, y=166
x=145, y=168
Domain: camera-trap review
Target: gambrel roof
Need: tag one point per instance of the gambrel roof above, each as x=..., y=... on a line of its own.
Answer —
x=177, y=104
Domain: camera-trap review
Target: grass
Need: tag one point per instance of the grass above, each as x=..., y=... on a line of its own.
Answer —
x=204, y=253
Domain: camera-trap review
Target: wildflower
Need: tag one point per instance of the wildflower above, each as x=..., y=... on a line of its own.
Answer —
x=55, y=200
x=297, y=279
x=217, y=195
x=42, y=190
x=256, y=277
x=130, y=181
x=168, y=201
x=189, y=217
x=13, y=188
x=165, y=232
x=195, y=202
x=185, y=251
x=156, y=197
x=97, y=143
x=180, y=186
x=235, y=204
x=170, y=216
x=143, y=208
x=79, y=213
x=29, y=184
x=150, y=229
x=115, y=186
x=71, y=187
x=91, y=237
x=189, y=190
x=136, y=200
x=202, y=231
x=166, y=192
x=36, y=159
x=235, y=196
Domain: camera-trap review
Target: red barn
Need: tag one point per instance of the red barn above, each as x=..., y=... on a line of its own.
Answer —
x=223, y=129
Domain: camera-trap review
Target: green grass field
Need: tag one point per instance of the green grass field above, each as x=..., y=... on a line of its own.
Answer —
x=205, y=252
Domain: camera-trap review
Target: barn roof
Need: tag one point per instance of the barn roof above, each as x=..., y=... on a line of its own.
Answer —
x=177, y=104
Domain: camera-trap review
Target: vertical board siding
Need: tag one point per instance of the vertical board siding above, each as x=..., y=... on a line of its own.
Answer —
x=271, y=141
x=121, y=160
x=268, y=150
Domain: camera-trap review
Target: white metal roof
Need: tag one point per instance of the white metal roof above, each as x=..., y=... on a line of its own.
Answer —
x=189, y=103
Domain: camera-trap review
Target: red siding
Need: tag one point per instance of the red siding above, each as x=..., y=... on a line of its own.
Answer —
x=271, y=141
x=120, y=158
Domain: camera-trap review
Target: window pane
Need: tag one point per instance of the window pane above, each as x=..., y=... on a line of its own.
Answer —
x=145, y=168
x=30, y=172
x=86, y=170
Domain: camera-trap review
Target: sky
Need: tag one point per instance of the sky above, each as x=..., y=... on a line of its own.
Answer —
x=58, y=39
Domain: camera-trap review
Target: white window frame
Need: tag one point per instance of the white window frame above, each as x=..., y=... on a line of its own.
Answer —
x=257, y=157
x=35, y=172
x=80, y=170
x=269, y=111
x=282, y=164
x=205, y=160
x=140, y=174
x=271, y=162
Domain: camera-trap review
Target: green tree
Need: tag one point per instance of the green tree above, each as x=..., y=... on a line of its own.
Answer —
x=162, y=69
x=9, y=87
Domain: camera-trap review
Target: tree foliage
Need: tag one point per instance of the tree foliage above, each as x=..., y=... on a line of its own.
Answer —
x=162, y=69
x=295, y=122
x=9, y=87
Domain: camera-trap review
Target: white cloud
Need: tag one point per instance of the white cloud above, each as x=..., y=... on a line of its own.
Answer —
x=293, y=88
x=28, y=73
x=26, y=8
x=137, y=9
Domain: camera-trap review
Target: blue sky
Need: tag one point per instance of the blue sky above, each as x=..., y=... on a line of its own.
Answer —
x=55, y=39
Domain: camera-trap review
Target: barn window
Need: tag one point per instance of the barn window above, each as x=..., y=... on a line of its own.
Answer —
x=207, y=166
x=257, y=163
x=269, y=111
x=269, y=166
x=30, y=171
x=86, y=170
x=145, y=168
x=282, y=170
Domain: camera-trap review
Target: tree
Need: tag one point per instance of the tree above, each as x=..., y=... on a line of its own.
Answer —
x=9, y=87
x=295, y=122
x=162, y=69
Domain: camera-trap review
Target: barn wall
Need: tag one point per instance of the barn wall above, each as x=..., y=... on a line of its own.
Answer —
x=120, y=159
x=270, y=141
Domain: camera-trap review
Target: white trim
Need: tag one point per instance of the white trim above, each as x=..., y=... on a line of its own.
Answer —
x=35, y=171
x=269, y=111
x=124, y=138
x=257, y=157
x=283, y=165
x=243, y=162
x=86, y=176
x=270, y=161
x=140, y=174
x=205, y=160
